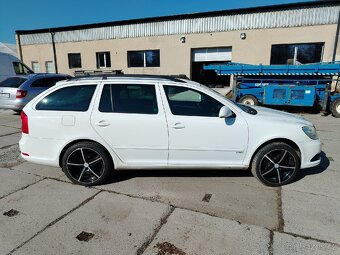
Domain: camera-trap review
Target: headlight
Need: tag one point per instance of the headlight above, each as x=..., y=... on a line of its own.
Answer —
x=310, y=132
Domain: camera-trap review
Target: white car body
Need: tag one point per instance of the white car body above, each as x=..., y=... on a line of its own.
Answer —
x=162, y=140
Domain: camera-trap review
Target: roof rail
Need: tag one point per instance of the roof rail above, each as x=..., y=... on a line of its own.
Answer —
x=104, y=76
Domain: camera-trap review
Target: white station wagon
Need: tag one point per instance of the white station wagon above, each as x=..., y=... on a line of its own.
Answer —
x=94, y=125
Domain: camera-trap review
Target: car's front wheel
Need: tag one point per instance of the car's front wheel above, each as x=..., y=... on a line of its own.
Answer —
x=276, y=164
x=86, y=163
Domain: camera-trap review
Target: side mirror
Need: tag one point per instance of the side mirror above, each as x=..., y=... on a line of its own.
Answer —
x=225, y=112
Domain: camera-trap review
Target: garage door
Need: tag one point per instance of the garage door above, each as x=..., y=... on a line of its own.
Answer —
x=211, y=54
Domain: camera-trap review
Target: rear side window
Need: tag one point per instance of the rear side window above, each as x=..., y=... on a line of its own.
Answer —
x=129, y=98
x=46, y=82
x=12, y=82
x=75, y=98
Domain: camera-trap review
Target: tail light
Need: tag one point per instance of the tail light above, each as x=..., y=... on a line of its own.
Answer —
x=24, y=122
x=21, y=93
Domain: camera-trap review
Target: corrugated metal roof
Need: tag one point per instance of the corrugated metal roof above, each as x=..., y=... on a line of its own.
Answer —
x=281, y=18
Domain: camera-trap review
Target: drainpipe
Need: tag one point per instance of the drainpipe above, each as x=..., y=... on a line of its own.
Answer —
x=54, y=52
x=336, y=38
x=20, y=48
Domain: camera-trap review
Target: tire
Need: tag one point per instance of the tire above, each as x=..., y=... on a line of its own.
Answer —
x=276, y=164
x=249, y=99
x=87, y=163
x=335, y=108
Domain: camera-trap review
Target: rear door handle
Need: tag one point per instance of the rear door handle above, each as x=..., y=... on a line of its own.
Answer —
x=102, y=123
x=178, y=126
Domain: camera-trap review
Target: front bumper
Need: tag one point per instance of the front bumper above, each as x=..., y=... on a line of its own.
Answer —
x=310, y=153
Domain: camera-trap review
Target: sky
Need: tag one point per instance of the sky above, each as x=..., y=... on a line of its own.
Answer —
x=36, y=14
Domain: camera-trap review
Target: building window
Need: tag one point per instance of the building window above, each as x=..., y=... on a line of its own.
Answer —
x=303, y=53
x=103, y=59
x=146, y=58
x=35, y=67
x=74, y=60
x=49, y=67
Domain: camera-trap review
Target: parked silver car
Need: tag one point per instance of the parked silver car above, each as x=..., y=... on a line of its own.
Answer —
x=17, y=91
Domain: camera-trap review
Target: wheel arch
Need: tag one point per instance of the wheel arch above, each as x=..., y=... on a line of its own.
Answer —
x=82, y=140
x=275, y=140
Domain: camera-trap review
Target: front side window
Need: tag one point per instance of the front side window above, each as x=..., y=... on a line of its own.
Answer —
x=129, y=98
x=20, y=68
x=303, y=53
x=146, y=58
x=74, y=98
x=103, y=59
x=188, y=102
x=74, y=60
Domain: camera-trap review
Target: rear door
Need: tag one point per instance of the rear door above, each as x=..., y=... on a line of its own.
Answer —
x=131, y=119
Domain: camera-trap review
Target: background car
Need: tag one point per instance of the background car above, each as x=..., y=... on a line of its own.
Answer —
x=17, y=91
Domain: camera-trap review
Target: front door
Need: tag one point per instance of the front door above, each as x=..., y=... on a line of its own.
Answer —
x=131, y=119
x=197, y=136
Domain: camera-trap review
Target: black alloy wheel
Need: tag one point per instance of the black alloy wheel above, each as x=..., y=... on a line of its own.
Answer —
x=276, y=164
x=86, y=163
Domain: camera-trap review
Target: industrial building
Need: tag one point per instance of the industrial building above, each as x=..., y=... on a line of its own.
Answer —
x=297, y=33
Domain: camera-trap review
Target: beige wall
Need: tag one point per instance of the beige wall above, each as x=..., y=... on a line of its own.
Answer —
x=175, y=57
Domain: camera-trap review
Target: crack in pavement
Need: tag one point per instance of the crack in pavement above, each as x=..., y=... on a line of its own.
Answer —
x=22, y=188
x=149, y=240
x=271, y=242
x=10, y=134
x=55, y=221
x=281, y=222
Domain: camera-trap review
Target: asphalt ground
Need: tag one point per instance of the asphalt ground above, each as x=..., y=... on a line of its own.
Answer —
x=168, y=212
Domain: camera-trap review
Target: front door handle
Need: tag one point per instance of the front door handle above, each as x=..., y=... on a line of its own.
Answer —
x=102, y=123
x=178, y=126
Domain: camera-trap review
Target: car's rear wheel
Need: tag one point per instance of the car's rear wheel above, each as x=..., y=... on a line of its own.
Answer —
x=276, y=164
x=86, y=163
x=249, y=99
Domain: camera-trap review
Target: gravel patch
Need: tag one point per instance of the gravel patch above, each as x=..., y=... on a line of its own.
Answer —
x=10, y=156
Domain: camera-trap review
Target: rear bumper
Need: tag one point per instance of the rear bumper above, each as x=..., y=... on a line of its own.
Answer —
x=34, y=150
x=309, y=153
x=11, y=106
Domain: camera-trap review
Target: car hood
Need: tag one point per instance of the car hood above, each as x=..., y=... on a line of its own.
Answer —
x=268, y=113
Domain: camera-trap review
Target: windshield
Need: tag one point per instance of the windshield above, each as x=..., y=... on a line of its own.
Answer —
x=12, y=82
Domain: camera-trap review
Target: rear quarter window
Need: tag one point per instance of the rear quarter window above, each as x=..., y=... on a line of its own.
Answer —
x=73, y=98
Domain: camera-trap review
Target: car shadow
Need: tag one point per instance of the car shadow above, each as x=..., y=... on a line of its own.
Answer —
x=324, y=164
x=124, y=175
